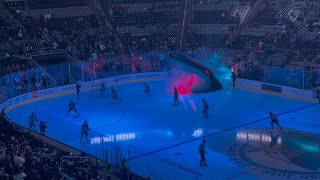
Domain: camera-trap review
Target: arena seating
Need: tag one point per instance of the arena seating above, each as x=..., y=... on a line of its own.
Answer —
x=26, y=157
x=15, y=42
x=145, y=25
x=82, y=36
x=14, y=64
x=46, y=4
x=145, y=22
x=212, y=22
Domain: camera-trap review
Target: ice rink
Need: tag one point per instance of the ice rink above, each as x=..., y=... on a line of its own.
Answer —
x=161, y=140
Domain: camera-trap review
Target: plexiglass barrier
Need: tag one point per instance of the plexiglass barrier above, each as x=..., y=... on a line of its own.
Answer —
x=48, y=76
x=295, y=78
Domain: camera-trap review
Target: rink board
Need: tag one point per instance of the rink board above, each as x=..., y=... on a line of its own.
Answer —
x=85, y=86
x=277, y=90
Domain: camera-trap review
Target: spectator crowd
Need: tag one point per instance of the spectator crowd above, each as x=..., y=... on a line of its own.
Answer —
x=24, y=156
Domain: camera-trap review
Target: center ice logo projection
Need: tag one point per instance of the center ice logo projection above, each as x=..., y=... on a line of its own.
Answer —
x=290, y=154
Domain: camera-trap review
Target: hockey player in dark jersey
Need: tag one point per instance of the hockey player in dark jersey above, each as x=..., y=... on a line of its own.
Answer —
x=202, y=152
x=78, y=90
x=84, y=131
x=32, y=120
x=274, y=120
x=3, y=115
x=205, y=108
x=114, y=94
x=147, y=89
x=175, y=96
x=72, y=107
x=234, y=78
x=103, y=89
x=274, y=140
x=42, y=127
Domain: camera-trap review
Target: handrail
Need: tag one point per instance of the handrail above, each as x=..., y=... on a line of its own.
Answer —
x=183, y=24
x=298, y=24
x=246, y=16
x=307, y=17
x=46, y=51
x=257, y=4
x=235, y=8
x=285, y=13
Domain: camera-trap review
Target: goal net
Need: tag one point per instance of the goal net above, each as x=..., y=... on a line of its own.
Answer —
x=100, y=90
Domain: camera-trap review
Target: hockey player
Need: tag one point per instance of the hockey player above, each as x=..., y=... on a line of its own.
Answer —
x=114, y=94
x=274, y=140
x=84, y=131
x=32, y=120
x=42, y=127
x=72, y=107
x=176, y=96
x=147, y=89
x=78, y=90
x=3, y=115
x=205, y=108
x=103, y=89
x=274, y=120
x=202, y=152
x=234, y=78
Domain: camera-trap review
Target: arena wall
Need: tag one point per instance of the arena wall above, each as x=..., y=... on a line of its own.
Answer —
x=151, y=76
x=276, y=89
x=85, y=86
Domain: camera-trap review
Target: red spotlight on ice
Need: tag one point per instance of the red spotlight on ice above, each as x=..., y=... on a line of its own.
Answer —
x=186, y=82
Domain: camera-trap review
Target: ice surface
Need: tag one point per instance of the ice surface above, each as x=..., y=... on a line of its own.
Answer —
x=139, y=124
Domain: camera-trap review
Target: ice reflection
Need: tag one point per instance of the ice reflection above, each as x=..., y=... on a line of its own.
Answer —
x=258, y=137
x=113, y=138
